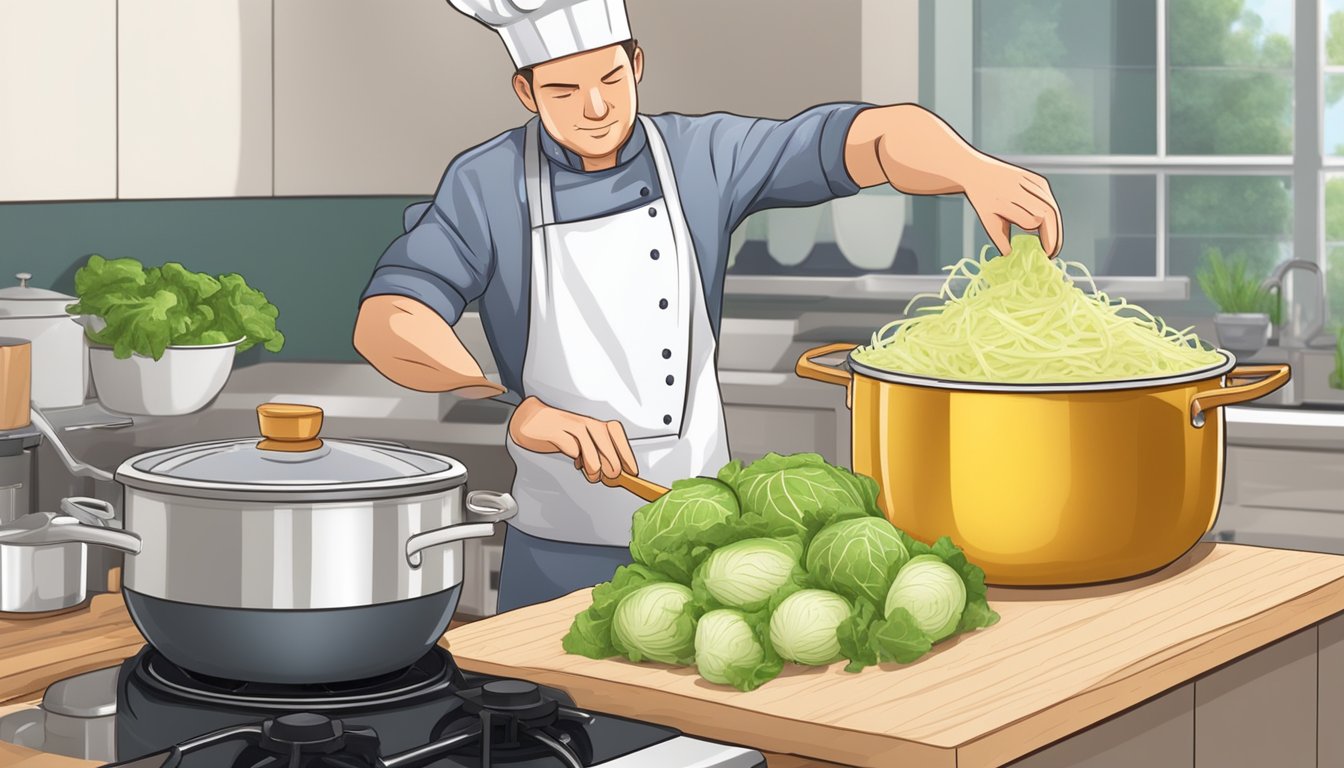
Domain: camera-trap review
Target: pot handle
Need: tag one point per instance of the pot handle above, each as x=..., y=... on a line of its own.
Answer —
x=1266, y=379
x=66, y=529
x=491, y=505
x=826, y=374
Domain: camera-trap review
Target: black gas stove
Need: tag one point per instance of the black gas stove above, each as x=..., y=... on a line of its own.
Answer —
x=431, y=715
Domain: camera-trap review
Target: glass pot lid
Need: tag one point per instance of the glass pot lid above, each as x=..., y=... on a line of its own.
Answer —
x=291, y=463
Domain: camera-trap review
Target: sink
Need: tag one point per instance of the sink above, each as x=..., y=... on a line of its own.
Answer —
x=1310, y=383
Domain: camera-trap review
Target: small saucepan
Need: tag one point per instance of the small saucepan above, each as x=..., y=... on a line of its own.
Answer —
x=44, y=555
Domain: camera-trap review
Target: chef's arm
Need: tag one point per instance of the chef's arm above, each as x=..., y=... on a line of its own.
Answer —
x=912, y=149
x=413, y=346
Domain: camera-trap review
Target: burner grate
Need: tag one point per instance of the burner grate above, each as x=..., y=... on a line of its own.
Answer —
x=435, y=670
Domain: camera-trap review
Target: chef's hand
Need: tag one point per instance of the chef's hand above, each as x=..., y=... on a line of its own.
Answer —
x=599, y=448
x=1004, y=195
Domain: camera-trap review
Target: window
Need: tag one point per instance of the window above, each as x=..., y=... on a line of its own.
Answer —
x=1168, y=128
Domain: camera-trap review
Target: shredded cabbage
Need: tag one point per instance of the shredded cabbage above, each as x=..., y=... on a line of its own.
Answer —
x=1025, y=319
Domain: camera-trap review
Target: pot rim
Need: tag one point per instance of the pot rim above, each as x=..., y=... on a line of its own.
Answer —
x=132, y=476
x=929, y=382
x=96, y=347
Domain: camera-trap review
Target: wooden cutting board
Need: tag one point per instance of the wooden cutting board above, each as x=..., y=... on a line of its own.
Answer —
x=1059, y=661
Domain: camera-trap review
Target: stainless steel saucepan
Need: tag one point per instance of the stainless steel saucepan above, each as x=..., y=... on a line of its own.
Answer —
x=294, y=559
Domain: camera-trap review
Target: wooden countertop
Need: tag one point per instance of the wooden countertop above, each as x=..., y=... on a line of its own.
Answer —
x=1058, y=662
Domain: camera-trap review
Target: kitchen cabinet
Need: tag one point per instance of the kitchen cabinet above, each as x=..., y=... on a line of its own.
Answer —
x=58, y=99
x=376, y=97
x=194, y=104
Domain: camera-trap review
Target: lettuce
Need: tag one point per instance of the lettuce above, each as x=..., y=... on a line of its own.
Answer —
x=145, y=311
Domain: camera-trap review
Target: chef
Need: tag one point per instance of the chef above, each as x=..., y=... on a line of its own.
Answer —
x=594, y=240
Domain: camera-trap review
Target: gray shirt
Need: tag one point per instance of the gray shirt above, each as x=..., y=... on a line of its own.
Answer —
x=474, y=244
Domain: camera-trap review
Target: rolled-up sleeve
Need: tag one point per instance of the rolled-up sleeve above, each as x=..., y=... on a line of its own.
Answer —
x=446, y=259
x=763, y=163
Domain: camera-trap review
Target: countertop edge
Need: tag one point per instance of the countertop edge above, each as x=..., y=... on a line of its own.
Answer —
x=1179, y=666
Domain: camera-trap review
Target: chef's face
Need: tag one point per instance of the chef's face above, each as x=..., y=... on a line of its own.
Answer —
x=586, y=101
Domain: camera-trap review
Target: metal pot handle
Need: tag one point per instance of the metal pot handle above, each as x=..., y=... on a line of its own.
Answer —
x=88, y=510
x=1266, y=379
x=76, y=467
x=826, y=374
x=490, y=504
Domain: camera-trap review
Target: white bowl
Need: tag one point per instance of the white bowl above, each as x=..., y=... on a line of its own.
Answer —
x=184, y=380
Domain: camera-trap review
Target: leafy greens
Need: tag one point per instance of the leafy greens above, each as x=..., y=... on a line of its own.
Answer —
x=788, y=559
x=145, y=311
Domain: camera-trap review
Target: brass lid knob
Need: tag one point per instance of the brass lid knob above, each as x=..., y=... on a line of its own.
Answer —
x=288, y=427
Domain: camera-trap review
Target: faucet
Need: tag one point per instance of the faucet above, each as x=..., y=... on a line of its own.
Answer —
x=1290, y=330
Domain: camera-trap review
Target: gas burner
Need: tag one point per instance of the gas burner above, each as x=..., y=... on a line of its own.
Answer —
x=432, y=672
x=515, y=721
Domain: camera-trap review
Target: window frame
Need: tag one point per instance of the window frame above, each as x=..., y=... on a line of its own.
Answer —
x=1307, y=169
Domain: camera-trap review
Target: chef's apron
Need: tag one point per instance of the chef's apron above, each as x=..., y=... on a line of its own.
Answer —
x=618, y=331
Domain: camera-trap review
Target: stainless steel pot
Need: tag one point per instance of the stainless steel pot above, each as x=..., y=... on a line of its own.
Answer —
x=60, y=353
x=295, y=559
x=44, y=555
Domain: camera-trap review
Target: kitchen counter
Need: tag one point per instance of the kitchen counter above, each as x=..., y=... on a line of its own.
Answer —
x=1222, y=648
x=1212, y=661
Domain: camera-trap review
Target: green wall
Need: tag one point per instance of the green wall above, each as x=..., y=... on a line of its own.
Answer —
x=311, y=257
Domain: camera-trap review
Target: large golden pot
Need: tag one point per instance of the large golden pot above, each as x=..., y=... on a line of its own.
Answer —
x=1047, y=484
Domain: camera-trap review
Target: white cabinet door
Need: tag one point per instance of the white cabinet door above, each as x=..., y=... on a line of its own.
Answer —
x=376, y=97
x=195, y=98
x=58, y=99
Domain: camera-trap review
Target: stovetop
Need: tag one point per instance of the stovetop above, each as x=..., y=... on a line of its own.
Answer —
x=432, y=715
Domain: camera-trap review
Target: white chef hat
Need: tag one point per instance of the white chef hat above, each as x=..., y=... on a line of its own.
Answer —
x=535, y=31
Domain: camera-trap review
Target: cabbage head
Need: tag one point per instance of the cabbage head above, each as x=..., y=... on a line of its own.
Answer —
x=800, y=493
x=652, y=623
x=857, y=558
x=746, y=573
x=674, y=533
x=731, y=649
x=803, y=626
x=932, y=592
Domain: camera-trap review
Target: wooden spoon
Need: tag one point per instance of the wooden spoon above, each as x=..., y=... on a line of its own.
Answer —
x=642, y=488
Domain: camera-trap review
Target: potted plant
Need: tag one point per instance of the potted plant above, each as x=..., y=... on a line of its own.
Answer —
x=1247, y=311
x=163, y=338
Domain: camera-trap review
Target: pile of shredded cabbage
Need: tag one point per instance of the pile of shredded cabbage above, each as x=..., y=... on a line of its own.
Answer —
x=1023, y=319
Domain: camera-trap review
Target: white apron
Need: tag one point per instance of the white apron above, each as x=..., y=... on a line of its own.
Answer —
x=618, y=330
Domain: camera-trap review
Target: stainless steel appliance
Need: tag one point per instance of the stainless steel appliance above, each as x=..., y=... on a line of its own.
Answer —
x=429, y=715
x=18, y=472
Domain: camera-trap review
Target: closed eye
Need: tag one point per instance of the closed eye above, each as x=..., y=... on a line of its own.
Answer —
x=614, y=76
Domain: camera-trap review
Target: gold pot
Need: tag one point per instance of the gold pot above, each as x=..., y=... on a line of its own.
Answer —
x=1047, y=484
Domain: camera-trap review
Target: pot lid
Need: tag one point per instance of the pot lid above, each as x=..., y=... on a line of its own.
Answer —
x=291, y=463
x=23, y=300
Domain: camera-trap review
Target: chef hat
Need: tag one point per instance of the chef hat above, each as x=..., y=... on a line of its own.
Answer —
x=536, y=31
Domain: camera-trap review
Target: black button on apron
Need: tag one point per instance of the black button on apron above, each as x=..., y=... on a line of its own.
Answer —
x=643, y=191
x=667, y=354
x=667, y=419
x=654, y=254
x=670, y=380
x=662, y=303
x=653, y=212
